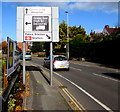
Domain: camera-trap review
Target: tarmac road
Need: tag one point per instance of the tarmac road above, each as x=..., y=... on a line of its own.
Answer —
x=93, y=86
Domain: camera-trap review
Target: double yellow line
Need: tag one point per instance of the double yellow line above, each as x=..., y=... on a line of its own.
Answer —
x=76, y=105
x=73, y=102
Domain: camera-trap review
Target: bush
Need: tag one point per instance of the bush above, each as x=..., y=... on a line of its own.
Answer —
x=41, y=55
x=60, y=53
x=71, y=58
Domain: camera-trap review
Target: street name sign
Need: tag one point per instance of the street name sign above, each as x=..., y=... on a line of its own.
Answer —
x=39, y=24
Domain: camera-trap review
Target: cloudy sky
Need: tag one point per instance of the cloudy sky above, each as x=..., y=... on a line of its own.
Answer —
x=61, y=0
x=91, y=14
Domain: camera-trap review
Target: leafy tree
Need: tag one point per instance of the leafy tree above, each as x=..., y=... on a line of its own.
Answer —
x=4, y=47
x=37, y=47
x=63, y=30
x=47, y=48
x=62, y=34
x=74, y=32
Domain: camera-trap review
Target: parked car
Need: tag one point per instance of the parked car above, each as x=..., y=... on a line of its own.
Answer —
x=28, y=56
x=59, y=62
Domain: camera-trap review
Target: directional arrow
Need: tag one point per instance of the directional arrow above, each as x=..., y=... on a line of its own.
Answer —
x=48, y=36
x=26, y=10
x=27, y=23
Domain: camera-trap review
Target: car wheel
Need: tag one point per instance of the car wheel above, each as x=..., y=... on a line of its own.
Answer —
x=68, y=69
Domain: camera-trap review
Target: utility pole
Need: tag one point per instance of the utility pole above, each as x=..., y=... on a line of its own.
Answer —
x=67, y=45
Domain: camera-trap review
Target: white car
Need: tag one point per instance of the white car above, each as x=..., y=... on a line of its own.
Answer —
x=59, y=62
x=27, y=56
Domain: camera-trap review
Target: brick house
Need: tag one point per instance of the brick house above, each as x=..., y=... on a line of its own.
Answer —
x=27, y=45
x=109, y=31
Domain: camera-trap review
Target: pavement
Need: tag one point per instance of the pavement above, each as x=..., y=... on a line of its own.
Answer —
x=39, y=95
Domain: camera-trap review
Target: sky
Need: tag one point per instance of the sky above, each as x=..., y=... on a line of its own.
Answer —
x=90, y=15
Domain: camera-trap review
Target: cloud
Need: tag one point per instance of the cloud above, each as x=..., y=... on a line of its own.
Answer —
x=97, y=0
x=98, y=30
x=82, y=6
x=60, y=0
x=61, y=5
x=107, y=7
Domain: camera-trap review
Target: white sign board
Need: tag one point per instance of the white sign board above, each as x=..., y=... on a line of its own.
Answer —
x=40, y=24
x=12, y=56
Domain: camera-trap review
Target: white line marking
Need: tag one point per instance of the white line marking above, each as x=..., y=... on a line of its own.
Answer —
x=100, y=67
x=76, y=68
x=105, y=77
x=96, y=100
x=88, y=94
x=97, y=74
x=80, y=64
x=70, y=95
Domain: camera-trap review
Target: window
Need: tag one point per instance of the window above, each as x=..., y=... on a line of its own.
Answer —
x=60, y=58
x=28, y=53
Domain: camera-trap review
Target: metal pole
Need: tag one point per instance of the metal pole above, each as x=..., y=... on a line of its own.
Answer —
x=67, y=46
x=51, y=63
x=23, y=62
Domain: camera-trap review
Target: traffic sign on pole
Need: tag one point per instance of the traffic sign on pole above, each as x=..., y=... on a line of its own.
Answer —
x=37, y=24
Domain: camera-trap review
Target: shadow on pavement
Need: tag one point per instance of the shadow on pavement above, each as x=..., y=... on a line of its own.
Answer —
x=33, y=68
x=113, y=75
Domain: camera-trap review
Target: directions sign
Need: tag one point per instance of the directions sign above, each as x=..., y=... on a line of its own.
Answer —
x=40, y=23
x=37, y=24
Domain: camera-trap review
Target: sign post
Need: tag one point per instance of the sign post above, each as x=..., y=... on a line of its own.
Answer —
x=51, y=63
x=24, y=71
x=37, y=24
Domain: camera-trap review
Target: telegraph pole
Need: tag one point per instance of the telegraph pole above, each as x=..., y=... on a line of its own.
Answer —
x=67, y=45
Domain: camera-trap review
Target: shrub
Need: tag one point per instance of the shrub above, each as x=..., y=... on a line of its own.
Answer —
x=41, y=55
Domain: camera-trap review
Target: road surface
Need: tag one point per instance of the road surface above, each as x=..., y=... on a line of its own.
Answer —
x=94, y=87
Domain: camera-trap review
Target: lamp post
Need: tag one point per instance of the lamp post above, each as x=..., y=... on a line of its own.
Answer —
x=67, y=45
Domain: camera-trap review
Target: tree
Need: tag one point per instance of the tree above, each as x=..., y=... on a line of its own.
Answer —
x=74, y=32
x=37, y=47
x=4, y=46
x=62, y=34
x=63, y=30
x=47, y=48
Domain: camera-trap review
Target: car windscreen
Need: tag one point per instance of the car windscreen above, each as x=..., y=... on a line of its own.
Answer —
x=60, y=58
x=28, y=53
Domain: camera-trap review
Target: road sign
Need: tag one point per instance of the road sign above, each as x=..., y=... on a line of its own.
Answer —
x=37, y=24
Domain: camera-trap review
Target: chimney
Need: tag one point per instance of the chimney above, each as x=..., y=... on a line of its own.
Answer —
x=106, y=26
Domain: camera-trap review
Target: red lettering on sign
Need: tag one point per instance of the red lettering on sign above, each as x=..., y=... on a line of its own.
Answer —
x=28, y=38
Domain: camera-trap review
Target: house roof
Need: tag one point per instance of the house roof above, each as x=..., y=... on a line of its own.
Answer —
x=111, y=30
